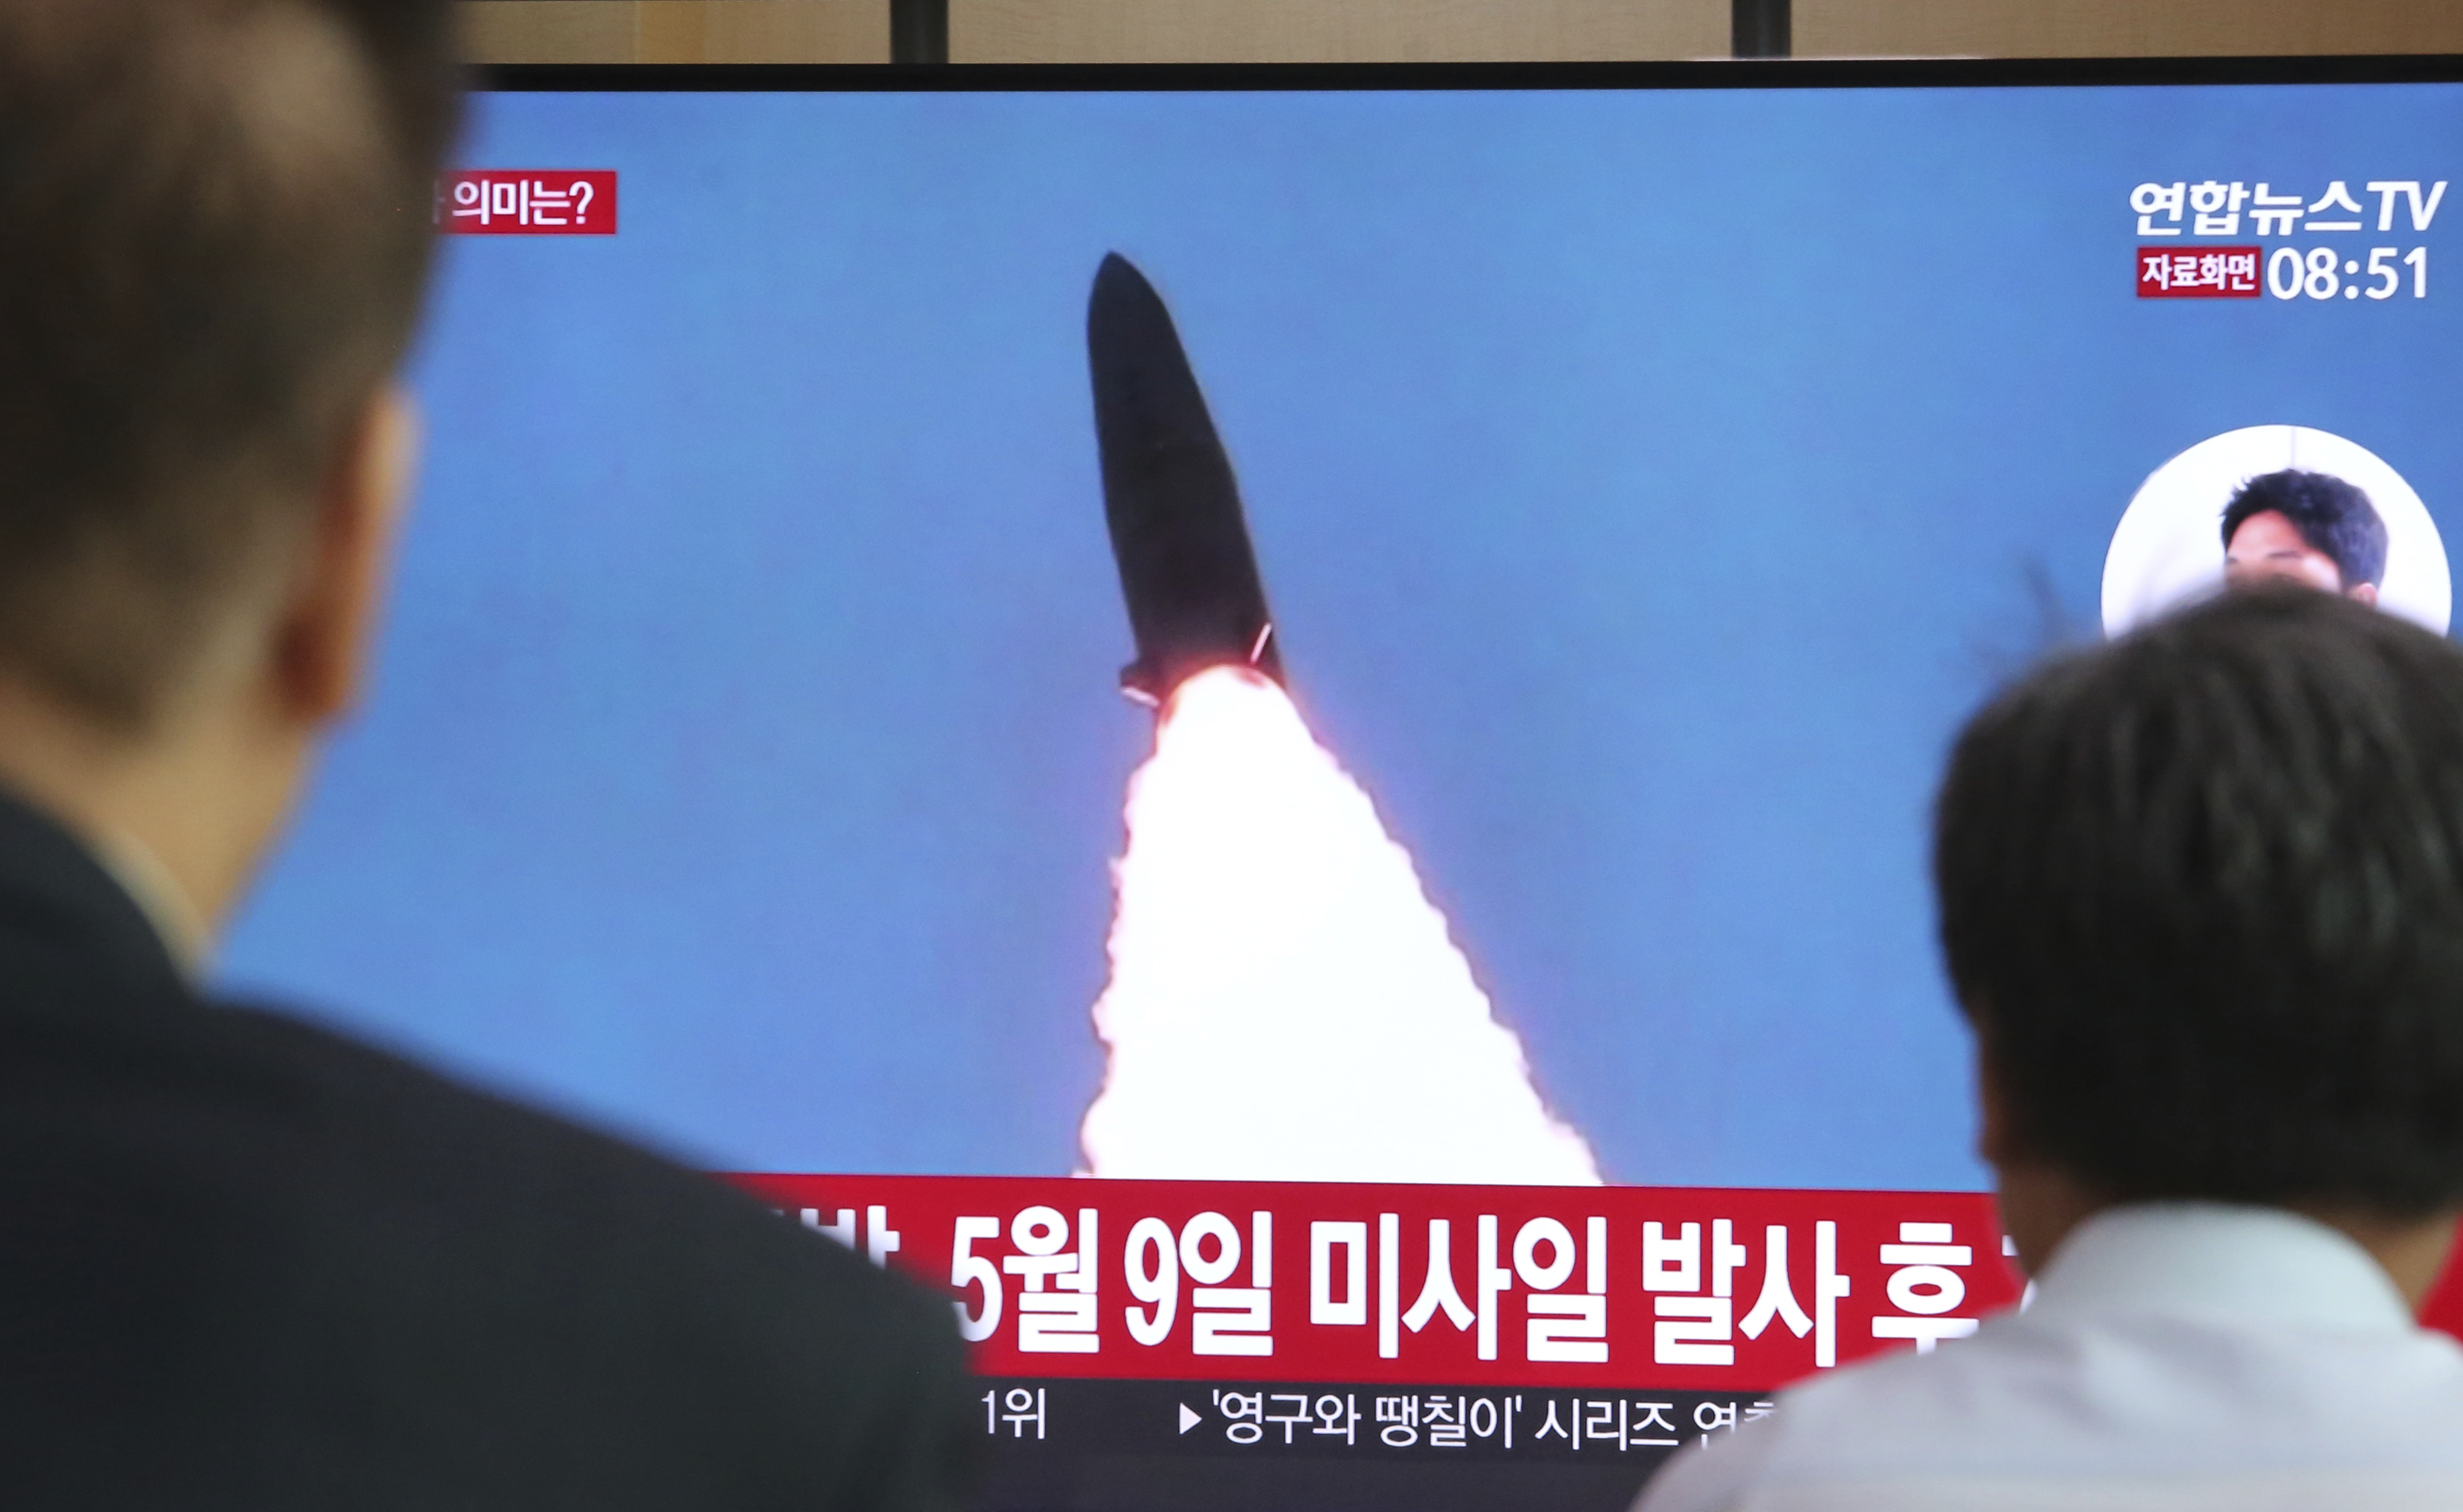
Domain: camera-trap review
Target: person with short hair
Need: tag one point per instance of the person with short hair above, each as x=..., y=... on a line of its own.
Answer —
x=246, y=1262
x=2201, y=902
x=2307, y=528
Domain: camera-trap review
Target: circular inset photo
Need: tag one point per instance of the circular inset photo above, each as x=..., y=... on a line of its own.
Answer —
x=2276, y=502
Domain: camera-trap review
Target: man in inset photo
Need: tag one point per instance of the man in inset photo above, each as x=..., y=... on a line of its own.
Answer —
x=2307, y=528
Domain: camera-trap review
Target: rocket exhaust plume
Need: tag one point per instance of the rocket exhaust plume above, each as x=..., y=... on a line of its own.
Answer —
x=1285, y=1001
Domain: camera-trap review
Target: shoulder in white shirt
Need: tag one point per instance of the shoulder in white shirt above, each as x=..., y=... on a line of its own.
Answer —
x=2180, y=1357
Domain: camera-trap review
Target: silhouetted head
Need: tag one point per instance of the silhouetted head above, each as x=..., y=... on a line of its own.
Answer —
x=2201, y=896
x=215, y=226
x=215, y=223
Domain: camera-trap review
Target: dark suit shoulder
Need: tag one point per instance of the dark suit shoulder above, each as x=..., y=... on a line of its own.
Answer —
x=366, y=1279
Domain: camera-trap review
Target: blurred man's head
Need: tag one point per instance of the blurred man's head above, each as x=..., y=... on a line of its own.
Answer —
x=2201, y=896
x=215, y=225
x=2307, y=528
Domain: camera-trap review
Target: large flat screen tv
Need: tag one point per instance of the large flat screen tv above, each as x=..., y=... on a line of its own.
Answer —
x=1553, y=519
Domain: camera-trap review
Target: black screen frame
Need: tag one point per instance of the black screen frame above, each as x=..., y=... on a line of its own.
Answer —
x=1229, y=78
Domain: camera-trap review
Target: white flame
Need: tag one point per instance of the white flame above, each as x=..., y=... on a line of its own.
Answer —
x=1285, y=1003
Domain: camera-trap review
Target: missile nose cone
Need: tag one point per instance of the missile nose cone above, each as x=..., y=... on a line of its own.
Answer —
x=1187, y=573
x=1149, y=413
x=1119, y=280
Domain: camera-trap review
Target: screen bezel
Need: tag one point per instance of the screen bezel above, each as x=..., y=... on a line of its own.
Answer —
x=1284, y=78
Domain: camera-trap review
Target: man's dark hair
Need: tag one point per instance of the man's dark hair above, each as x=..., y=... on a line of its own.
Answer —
x=2201, y=895
x=215, y=226
x=2335, y=518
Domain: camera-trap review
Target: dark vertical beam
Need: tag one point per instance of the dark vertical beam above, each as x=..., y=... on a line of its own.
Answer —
x=1760, y=29
x=919, y=31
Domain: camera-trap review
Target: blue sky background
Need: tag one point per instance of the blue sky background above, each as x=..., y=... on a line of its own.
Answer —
x=1645, y=486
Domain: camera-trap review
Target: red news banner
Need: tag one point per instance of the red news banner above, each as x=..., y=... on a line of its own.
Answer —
x=2198, y=272
x=1468, y=1286
x=527, y=201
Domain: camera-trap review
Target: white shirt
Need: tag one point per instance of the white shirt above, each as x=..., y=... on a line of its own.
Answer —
x=2177, y=1356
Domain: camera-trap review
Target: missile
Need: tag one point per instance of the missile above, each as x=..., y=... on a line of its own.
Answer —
x=1182, y=545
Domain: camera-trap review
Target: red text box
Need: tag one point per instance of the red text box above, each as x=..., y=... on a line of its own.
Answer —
x=2198, y=272
x=1467, y=1285
x=527, y=201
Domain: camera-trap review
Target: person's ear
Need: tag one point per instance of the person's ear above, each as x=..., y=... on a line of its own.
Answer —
x=324, y=638
x=2364, y=593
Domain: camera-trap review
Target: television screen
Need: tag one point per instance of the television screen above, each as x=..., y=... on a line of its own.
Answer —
x=1551, y=522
